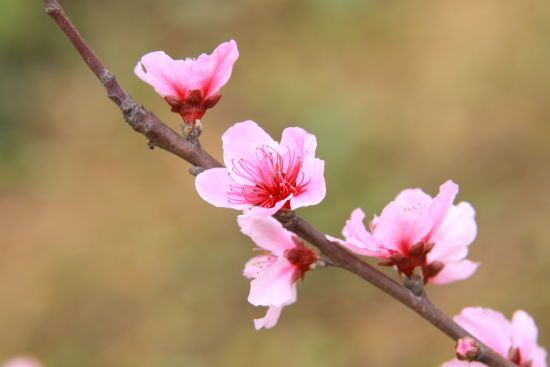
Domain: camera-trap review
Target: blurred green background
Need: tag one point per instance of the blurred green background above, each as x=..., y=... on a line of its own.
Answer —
x=108, y=256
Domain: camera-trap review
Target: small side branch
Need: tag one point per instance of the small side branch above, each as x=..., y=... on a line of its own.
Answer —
x=162, y=136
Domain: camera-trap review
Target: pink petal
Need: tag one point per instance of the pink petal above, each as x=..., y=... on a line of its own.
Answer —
x=400, y=227
x=457, y=363
x=275, y=286
x=538, y=356
x=211, y=72
x=257, y=265
x=524, y=333
x=315, y=190
x=414, y=198
x=297, y=141
x=261, y=212
x=22, y=361
x=441, y=203
x=267, y=233
x=241, y=141
x=355, y=228
x=490, y=326
x=454, y=271
x=455, y=234
x=162, y=73
x=359, y=248
x=213, y=186
x=358, y=240
x=270, y=319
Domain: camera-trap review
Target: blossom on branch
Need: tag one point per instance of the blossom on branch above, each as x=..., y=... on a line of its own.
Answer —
x=416, y=231
x=516, y=340
x=262, y=175
x=190, y=85
x=285, y=260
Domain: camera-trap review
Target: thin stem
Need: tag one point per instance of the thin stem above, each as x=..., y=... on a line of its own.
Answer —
x=160, y=135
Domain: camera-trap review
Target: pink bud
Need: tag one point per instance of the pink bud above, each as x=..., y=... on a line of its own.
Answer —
x=466, y=349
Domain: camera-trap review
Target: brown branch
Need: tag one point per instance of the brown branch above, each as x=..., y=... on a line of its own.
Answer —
x=160, y=135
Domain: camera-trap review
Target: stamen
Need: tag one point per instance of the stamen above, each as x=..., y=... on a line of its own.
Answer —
x=271, y=177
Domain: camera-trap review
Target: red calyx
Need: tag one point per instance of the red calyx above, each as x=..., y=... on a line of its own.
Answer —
x=193, y=106
x=302, y=257
x=415, y=257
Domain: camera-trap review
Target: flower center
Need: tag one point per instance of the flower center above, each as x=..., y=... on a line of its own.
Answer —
x=272, y=178
x=414, y=257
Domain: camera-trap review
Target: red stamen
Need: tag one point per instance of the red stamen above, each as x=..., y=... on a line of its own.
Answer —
x=272, y=178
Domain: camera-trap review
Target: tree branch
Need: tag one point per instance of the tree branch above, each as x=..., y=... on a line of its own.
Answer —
x=160, y=135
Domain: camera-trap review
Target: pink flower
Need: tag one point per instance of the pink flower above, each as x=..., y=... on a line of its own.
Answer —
x=285, y=260
x=189, y=86
x=263, y=175
x=22, y=361
x=416, y=230
x=516, y=340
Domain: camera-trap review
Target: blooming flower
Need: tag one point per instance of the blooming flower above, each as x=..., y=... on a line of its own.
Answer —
x=274, y=273
x=516, y=340
x=263, y=175
x=189, y=86
x=416, y=230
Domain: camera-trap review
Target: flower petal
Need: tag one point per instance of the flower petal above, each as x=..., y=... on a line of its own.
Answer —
x=315, y=189
x=22, y=361
x=270, y=319
x=524, y=333
x=241, y=141
x=296, y=140
x=257, y=265
x=211, y=72
x=455, y=234
x=538, y=356
x=441, y=203
x=213, y=186
x=457, y=363
x=358, y=239
x=359, y=248
x=490, y=326
x=267, y=233
x=454, y=271
x=163, y=73
x=414, y=198
x=261, y=212
x=400, y=227
x=275, y=286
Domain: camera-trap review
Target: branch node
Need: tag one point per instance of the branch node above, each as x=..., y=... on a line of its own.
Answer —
x=196, y=170
x=106, y=77
x=51, y=7
x=133, y=114
x=415, y=282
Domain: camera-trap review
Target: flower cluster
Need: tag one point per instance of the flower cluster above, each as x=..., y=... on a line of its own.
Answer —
x=424, y=238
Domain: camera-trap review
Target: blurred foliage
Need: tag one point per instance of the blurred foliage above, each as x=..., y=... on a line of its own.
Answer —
x=109, y=258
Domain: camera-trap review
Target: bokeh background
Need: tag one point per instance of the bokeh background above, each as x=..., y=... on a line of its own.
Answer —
x=108, y=256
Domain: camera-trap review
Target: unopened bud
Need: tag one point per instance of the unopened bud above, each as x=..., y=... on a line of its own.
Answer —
x=467, y=349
